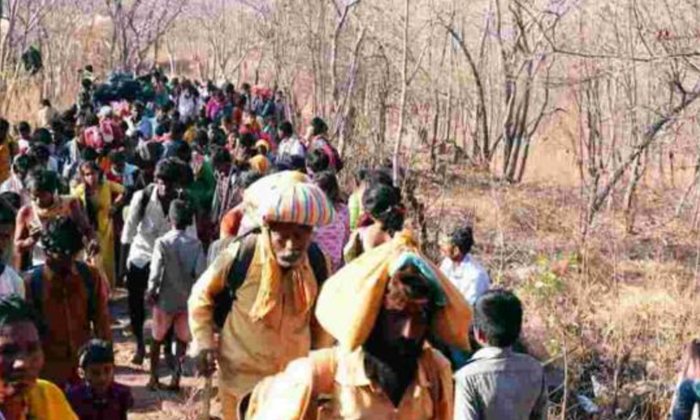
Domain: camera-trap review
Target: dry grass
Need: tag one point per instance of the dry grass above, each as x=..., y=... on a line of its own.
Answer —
x=621, y=308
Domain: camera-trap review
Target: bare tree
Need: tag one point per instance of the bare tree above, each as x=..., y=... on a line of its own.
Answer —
x=622, y=120
x=138, y=26
x=511, y=76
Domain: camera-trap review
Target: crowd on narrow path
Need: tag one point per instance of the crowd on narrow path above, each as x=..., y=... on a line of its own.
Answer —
x=229, y=230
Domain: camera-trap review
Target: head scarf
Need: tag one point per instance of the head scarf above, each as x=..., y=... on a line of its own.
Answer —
x=288, y=197
x=411, y=259
x=285, y=197
x=351, y=300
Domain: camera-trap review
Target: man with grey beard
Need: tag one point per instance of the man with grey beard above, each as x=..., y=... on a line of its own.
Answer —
x=273, y=278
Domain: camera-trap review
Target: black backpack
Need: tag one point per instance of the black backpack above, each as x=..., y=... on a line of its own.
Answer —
x=223, y=302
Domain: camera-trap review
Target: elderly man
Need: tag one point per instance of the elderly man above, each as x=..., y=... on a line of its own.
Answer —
x=22, y=394
x=274, y=280
x=381, y=308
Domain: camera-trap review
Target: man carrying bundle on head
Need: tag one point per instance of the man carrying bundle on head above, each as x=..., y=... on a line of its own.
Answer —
x=272, y=280
x=382, y=308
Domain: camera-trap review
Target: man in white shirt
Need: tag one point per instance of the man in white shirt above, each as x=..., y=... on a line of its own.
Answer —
x=468, y=276
x=290, y=145
x=147, y=220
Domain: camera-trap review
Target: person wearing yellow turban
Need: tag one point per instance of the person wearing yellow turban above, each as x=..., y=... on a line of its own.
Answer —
x=381, y=308
x=270, y=319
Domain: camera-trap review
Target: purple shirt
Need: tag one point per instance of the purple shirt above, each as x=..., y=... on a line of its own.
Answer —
x=113, y=406
x=333, y=237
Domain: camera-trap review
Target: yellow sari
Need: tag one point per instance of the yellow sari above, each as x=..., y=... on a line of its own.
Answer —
x=102, y=203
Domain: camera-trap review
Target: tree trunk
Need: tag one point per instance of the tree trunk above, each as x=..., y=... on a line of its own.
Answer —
x=404, y=91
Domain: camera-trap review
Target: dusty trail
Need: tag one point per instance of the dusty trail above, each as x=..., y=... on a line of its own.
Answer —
x=162, y=404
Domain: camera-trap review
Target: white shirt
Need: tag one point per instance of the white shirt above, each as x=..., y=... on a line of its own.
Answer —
x=14, y=184
x=142, y=234
x=53, y=165
x=469, y=277
x=187, y=106
x=23, y=145
x=291, y=146
x=11, y=283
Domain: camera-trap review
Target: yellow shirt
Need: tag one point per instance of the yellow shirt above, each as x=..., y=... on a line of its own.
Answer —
x=47, y=402
x=249, y=350
x=190, y=135
x=260, y=164
x=294, y=394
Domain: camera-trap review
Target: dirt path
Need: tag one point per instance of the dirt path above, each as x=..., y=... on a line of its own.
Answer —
x=158, y=405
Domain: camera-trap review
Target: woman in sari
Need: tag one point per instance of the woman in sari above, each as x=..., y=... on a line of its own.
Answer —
x=101, y=199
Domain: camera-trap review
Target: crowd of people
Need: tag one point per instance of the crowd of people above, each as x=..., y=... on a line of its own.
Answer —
x=234, y=235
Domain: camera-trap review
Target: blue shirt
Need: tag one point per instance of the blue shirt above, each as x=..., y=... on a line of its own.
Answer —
x=145, y=127
x=687, y=396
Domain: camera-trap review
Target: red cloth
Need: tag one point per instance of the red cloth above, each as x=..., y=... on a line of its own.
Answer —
x=231, y=222
x=237, y=116
x=92, y=137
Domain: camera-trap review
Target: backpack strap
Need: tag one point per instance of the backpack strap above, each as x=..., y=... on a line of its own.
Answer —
x=239, y=270
x=319, y=264
x=145, y=196
x=88, y=281
x=223, y=302
x=324, y=365
x=241, y=264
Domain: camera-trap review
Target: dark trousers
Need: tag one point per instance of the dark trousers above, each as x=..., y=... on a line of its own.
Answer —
x=136, y=285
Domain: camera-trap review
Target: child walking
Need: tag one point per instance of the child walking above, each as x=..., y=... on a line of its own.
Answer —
x=98, y=397
x=178, y=260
